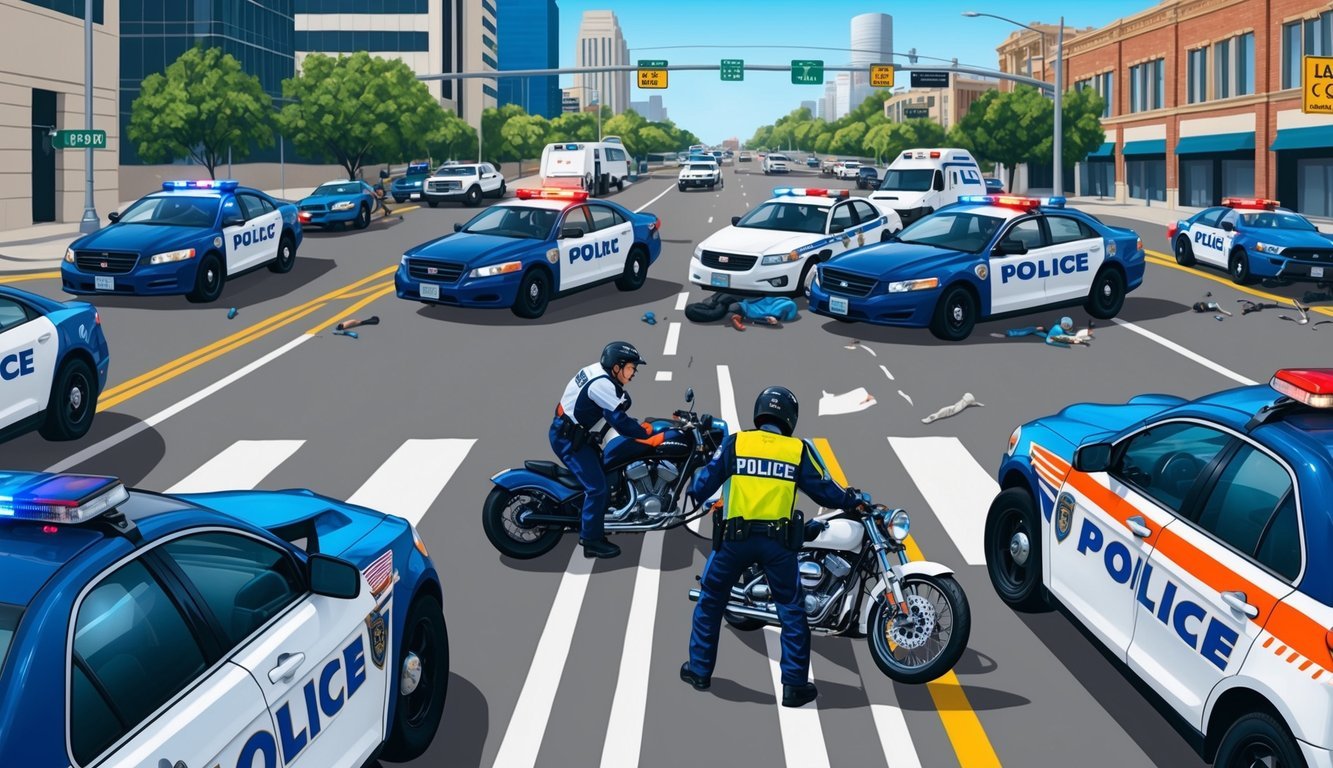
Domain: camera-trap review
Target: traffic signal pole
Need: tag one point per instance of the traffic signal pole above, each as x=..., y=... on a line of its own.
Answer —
x=89, y=222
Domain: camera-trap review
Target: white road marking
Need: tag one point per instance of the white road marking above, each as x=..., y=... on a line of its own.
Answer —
x=527, y=725
x=886, y=372
x=672, y=339
x=681, y=299
x=710, y=219
x=894, y=737
x=726, y=398
x=241, y=466
x=624, y=729
x=413, y=477
x=742, y=194
x=906, y=397
x=802, y=734
x=655, y=199
x=1196, y=357
x=662, y=376
x=956, y=487
x=111, y=441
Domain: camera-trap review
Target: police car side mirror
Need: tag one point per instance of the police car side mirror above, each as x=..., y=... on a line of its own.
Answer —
x=1094, y=457
x=834, y=229
x=233, y=220
x=331, y=577
x=1011, y=248
x=571, y=233
x=113, y=217
x=735, y=221
x=458, y=226
x=1228, y=226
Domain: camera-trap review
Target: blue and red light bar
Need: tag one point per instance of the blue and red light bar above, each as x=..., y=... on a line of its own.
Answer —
x=552, y=193
x=1014, y=201
x=1250, y=202
x=1311, y=386
x=810, y=192
x=53, y=498
x=221, y=185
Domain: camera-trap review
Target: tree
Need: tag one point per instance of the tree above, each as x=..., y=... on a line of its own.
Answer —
x=1081, y=113
x=493, y=141
x=526, y=135
x=626, y=125
x=573, y=126
x=1005, y=127
x=452, y=138
x=653, y=138
x=357, y=109
x=847, y=141
x=822, y=143
x=203, y=107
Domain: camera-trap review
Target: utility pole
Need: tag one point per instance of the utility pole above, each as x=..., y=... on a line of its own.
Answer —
x=1059, y=158
x=89, y=222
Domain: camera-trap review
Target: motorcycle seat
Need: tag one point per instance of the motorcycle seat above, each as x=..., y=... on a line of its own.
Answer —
x=554, y=471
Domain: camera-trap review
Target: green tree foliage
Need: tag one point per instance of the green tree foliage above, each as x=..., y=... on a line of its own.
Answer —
x=452, y=139
x=653, y=138
x=1081, y=112
x=573, y=126
x=1005, y=127
x=201, y=107
x=493, y=143
x=358, y=109
x=847, y=140
x=526, y=135
x=626, y=125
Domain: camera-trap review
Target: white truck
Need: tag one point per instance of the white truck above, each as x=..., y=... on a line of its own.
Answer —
x=776, y=163
x=921, y=181
x=593, y=166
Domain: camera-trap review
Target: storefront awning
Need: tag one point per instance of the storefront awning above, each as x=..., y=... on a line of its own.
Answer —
x=1107, y=149
x=1146, y=147
x=1313, y=137
x=1218, y=142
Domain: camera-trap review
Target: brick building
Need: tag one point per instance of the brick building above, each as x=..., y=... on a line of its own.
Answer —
x=1203, y=100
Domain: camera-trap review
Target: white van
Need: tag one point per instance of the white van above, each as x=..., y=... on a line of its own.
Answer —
x=921, y=181
x=593, y=166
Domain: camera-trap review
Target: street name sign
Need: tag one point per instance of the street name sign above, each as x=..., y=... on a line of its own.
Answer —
x=94, y=139
x=733, y=69
x=925, y=79
x=911, y=113
x=1317, y=87
x=807, y=72
x=881, y=75
x=652, y=73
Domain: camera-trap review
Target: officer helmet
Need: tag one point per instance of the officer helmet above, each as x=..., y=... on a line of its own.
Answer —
x=384, y=173
x=777, y=406
x=618, y=352
x=1067, y=323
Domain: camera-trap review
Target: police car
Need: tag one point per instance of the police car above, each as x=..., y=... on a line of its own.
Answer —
x=189, y=238
x=53, y=363
x=1191, y=539
x=520, y=253
x=212, y=630
x=1253, y=239
x=985, y=256
x=774, y=248
x=337, y=204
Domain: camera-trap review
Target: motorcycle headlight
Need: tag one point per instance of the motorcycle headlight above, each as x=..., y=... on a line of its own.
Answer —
x=69, y=255
x=780, y=258
x=899, y=525
x=170, y=256
x=497, y=269
x=903, y=286
x=345, y=205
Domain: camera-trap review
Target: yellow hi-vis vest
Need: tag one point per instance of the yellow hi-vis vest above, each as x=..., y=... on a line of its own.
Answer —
x=762, y=485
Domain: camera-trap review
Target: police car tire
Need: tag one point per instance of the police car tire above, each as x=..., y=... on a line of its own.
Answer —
x=1184, y=252
x=201, y=294
x=1239, y=268
x=636, y=271
x=1010, y=512
x=473, y=197
x=953, y=649
x=286, y=256
x=499, y=193
x=681, y=187
x=1257, y=730
x=532, y=308
x=409, y=740
x=1107, y=296
x=59, y=423
x=941, y=323
x=803, y=285
x=362, y=219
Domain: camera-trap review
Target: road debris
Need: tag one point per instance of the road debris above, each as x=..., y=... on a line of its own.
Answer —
x=351, y=323
x=848, y=402
x=886, y=372
x=649, y=318
x=906, y=397
x=1257, y=306
x=1304, y=317
x=231, y=313
x=353, y=334
x=953, y=410
x=1210, y=306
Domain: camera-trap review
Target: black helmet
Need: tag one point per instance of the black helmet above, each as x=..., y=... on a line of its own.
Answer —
x=777, y=406
x=620, y=352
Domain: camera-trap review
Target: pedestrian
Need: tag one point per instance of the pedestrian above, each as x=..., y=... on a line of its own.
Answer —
x=769, y=310
x=762, y=468
x=1062, y=334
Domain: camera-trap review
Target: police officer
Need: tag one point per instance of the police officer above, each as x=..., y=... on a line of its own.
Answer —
x=596, y=392
x=763, y=468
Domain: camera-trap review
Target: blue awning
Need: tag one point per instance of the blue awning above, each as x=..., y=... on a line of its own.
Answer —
x=1313, y=137
x=1218, y=142
x=1146, y=147
x=1107, y=149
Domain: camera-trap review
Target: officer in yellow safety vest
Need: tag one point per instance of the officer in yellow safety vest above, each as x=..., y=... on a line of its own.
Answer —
x=763, y=468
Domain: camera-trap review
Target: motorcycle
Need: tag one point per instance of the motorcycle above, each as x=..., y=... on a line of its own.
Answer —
x=914, y=613
x=530, y=508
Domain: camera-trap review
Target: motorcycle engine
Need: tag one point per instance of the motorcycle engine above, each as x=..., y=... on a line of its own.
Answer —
x=821, y=579
x=650, y=485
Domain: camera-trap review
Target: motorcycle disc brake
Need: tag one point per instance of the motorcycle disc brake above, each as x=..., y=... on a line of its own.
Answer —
x=912, y=631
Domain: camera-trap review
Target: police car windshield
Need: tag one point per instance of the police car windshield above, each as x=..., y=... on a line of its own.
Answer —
x=1277, y=220
x=701, y=167
x=908, y=180
x=958, y=231
x=457, y=170
x=173, y=211
x=337, y=188
x=787, y=217
x=514, y=221
x=9, y=622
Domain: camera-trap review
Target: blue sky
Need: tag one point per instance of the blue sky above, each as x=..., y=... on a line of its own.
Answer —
x=702, y=103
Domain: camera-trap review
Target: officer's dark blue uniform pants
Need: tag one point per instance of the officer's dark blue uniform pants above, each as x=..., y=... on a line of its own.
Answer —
x=586, y=464
x=724, y=568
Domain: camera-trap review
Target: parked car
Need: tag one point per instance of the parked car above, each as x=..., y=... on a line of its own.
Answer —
x=337, y=204
x=744, y=157
x=1253, y=239
x=410, y=184
x=465, y=183
x=993, y=185
x=812, y=162
x=867, y=177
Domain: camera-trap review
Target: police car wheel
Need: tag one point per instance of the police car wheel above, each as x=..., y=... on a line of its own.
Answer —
x=502, y=520
x=807, y=277
x=1012, y=543
x=286, y=256
x=362, y=217
x=208, y=280
x=1258, y=740
x=1184, y=252
x=955, y=315
x=534, y=293
x=1107, y=296
x=73, y=403
x=926, y=643
x=473, y=197
x=636, y=271
x=416, y=716
x=1239, y=267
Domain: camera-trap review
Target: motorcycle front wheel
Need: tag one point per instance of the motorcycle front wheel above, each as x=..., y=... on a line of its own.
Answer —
x=929, y=641
x=501, y=519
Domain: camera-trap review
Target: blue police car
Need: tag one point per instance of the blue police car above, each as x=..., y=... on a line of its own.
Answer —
x=1190, y=538
x=1253, y=239
x=189, y=238
x=231, y=629
x=337, y=204
x=520, y=253
x=983, y=257
x=409, y=185
x=53, y=363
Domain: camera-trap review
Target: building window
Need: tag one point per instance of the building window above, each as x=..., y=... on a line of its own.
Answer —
x=489, y=8
x=489, y=43
x=488, y=61
x=1196, y=76
x=1147, y=178
x=1314, y=186
x=1233, y=67
x=485, y=22
x=489, y=91
x=1317, y=34
x=1145, y=86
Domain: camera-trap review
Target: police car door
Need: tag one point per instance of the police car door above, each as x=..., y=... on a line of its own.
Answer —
x=1015, y=283
x=29, y=347
x=1208, y=591
x=577, y=250
x=256, y=241
x=842, y=219
x=870, y=223
x=1207, y=238
x=1075, y=254
x=615, y=237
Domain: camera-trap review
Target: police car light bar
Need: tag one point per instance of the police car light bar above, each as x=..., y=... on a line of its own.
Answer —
x=1013, y=201
x=577, y=195
x=810, y=192
x=222, y=185
x=1249, y=202
x=51, y=498
x=1311, y=386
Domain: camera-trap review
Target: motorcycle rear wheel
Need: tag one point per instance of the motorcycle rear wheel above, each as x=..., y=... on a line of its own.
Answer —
x=945, y=639
x=499, y=518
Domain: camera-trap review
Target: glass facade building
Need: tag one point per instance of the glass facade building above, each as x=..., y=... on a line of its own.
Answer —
x=70, y=7
x=529, y=38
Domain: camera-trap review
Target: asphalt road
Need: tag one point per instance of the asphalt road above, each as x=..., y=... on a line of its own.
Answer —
x=555, y=663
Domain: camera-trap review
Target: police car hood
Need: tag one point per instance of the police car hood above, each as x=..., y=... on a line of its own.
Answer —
x=139, y=238
x=293, y=514
x=473, y=249
x=1086, y=422
x=757, y=241
x=901, y=261
x=1290, y=238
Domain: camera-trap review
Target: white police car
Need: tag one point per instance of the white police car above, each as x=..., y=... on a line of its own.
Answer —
x=774, y=248
x=212, y=630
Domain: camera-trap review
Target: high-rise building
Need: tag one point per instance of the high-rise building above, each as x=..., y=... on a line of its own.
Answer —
x=810, y=105
x=828, y=104
x=872, y=43
x=479, y=50
x=568, y=101
x=843, y=94
x=600, y=43
x=529, y=37
x=651, y=109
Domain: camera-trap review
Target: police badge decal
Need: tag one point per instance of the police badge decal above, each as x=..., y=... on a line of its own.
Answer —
x=379, y=638
x=1064, y=516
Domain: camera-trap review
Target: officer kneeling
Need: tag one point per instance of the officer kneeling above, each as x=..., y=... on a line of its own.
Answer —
x=763, y=468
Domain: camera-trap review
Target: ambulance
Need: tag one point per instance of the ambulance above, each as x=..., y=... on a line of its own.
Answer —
x=921, y=181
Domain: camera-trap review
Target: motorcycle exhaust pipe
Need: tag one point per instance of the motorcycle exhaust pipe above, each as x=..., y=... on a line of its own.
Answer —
x=742, y=610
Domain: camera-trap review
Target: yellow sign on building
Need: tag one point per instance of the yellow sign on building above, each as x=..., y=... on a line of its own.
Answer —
x=881, y=75
x=1317, y=87
x=652, y=73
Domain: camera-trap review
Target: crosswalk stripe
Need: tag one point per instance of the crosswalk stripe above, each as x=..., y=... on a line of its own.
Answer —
x=681, y=298
x=894, y=737
x=241, y=466
x=672, y=339
x=624, y=729
x=802, y=734
x=409, y=482
x=726, y=395
x=956, y=487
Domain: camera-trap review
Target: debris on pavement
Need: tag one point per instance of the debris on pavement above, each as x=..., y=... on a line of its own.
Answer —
x=857, y=343
x=1257, y=306
x=906, y=397
x=953, y=410
x=848, y=402
x=351, y=323
x=1210, y=306
x=353, y=334
x=1304, y=317
x=1315, y=326
x=231, y=313
x=1218, y=317
x=649, y=318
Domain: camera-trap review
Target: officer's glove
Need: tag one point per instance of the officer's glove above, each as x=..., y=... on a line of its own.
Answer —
x=813, y=528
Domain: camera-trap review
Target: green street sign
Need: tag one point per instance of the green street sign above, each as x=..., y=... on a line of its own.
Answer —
x=94, y=139
x=733, y=69
x=652, y=63
x=807, y=72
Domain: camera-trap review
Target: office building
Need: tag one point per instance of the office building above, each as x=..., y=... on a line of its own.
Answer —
x=529, y=38
x=600, y=43
x=828, y=103
x=843, y=94
x=651, y=109
x=872, y=43
x=943, y=106
x=568, y=101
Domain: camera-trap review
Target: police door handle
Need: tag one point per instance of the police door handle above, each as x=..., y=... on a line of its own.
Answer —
x=45, y=337
x=1138, y=527
x=1236, y=601
x=288, y=663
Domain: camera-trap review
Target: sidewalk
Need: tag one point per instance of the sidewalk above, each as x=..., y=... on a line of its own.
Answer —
x=1157, y=213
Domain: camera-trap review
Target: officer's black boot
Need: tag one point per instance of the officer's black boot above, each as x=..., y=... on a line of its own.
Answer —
x=798, y=695
x=599, y=548
x=699, y=682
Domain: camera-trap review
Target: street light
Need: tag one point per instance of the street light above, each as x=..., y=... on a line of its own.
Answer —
x=1057, y=160
x=89, y=222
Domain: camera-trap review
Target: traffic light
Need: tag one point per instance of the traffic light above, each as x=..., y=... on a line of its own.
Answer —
x=911, y=56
